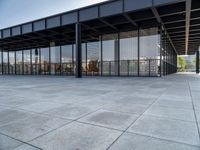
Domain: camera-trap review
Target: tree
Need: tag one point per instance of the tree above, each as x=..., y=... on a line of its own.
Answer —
x=181, y=63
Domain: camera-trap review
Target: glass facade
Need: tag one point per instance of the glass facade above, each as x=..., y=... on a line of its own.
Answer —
x=67, y=60
x=19, y=62
x=93, y=58
x=44, y=57
x=27, y=62
x=143, y=52
x=55, y=60
x=35, y=61
x=1, y=70
x=5, y=63
x=11, y=62
x=169, y=56
x=149, y=52
x=129, y=53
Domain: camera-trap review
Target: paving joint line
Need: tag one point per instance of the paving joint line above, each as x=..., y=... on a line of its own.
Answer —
x=194, y=110
x=137, y=118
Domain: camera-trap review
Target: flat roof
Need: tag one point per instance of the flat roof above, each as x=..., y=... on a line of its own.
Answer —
x=180, y=18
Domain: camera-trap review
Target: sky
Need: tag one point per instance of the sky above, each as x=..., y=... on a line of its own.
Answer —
x=13, y=12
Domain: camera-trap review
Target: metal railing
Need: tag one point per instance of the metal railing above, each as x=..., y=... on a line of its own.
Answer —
x=145, y=67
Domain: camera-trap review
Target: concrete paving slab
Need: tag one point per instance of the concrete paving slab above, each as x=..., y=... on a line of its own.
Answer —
x=77, y=136
x=173, y=103
x=130, y=141
x=71, y=111
x=171, y=113
x=110, y=119
x=127, y=108
x=40, y=106
x=7, y=143
x=32, y=127
x=26, y=147
x=11, y=115
x=174, y=130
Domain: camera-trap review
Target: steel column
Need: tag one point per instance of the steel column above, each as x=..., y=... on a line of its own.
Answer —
x=78, y=51
x=197, y=62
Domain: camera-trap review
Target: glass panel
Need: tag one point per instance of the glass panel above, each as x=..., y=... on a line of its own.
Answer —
x=67, y=61
x=84, y=65
x=93, y=58
x=129, y=53
x=106, y=68
x=27, y=62
x=74, y=57
x=35, y=61
x=45, y=61
x=12, y=62
x=5, y=62
x=110, y=54
x=0, y=62
x=55, y=60
x=19, y=63
x=149, y=50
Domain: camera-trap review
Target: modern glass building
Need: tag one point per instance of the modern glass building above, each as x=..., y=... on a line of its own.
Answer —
x=114, y=38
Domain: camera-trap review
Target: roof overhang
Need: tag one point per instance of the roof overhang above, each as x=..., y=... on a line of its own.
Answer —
x=182, y=24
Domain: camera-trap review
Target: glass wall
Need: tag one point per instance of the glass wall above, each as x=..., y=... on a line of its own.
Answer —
x=5, y=63
x=45, y=68
x=169, y=57
x=67, y=60
x=84, y=59
x=19, y=62
x=110, y=54
x=35, y=61
x=149, y=52
x=55, y=60
x=93, y=58
x=1, y=71
x=116, y=54
x=12, y=62
x=27, y=62
x=129, y=53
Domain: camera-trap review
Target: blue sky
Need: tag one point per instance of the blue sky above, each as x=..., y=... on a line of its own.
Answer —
x=13, y=12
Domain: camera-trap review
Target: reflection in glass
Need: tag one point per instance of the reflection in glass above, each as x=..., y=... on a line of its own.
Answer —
x=55, y=60
x=67, y=60
x=5, y=62
x=12, y=62
x=110, y=54
x=149, y=52
x=19, y=62
x=93, y=58
x=44, y=61
x=35, y=61
x=84, y=62
x=129, y=53
x=27, y=62
x=0, y=62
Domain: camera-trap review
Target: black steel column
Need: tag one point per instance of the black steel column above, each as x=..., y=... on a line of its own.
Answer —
x=138, y=51
x=197, y=62
x=2, y=60
x=78, y=51
x=8, y=63
x=101, y=65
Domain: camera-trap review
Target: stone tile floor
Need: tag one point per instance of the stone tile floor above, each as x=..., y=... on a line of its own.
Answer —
x=100, y=113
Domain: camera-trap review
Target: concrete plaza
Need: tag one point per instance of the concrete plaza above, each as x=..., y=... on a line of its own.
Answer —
x=99, y=113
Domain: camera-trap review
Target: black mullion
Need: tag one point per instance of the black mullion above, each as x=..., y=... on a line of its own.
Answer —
x=8, y=63
x=86, y=58
x=101, y=46
x=22, y=62
x=138, y=52
x=49, y=67
x=60, y=60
